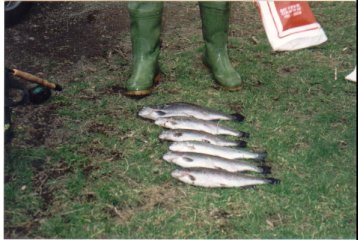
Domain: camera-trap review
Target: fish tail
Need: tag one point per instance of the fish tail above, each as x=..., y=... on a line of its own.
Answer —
x=237, y=117
x=241, y=144
x=261, y=156
x=273, y=181
x=244, y=134
x=265, y=169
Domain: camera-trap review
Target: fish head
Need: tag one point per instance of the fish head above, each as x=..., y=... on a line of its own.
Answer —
x=170, y=156
x=151, y=113
x=183, y=175
x=182, y=147
x=176, y=147
x=166, y=122
x=171, y=135
x=165, y=135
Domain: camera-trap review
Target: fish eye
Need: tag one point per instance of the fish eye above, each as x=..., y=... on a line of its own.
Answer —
x=191, y=177
x=178, y=134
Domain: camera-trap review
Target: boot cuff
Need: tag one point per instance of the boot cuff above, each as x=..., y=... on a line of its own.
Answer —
x=145, y=14
x=220, y=6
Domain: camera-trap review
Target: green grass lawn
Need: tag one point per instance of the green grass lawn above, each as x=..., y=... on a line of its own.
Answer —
x=100, y=173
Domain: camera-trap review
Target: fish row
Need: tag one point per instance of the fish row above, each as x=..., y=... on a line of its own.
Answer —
x=207, y=159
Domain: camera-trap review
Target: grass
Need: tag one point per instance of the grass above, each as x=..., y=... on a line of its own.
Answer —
x=106, y=179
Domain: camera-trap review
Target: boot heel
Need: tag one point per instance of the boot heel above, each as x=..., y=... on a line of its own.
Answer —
x=138, y=94
x=157, y=79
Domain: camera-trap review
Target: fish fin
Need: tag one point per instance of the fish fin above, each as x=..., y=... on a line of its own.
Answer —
x=261, y=156
x=273, y=181
x=192, y=177
x=188, y=159
x=237, y=117
x=241, y=144
x=265, y=170
x=160, y=113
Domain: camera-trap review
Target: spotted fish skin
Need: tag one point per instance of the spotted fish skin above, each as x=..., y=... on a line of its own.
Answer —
x=196, y=160
x=181, y=109
x=185, y=123
x=210, y=149
x=190, y=135
x=218, y=179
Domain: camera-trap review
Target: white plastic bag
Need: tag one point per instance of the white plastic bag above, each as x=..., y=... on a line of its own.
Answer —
x=352, y=76
x=290, y=25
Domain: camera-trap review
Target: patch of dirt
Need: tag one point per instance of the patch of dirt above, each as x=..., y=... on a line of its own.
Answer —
x=165, y=196
x=40, y=182
x=38, y=125
x=221, y=217
x=288, y=70
x=97, y=150
x=66, y=31
x=235, y=108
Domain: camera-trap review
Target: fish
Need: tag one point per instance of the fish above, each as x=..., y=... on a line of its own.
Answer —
x=197, y=160
x=210, y=149
x=215, y=178
x=190, y=135
x=199, y=125
x=181, y=109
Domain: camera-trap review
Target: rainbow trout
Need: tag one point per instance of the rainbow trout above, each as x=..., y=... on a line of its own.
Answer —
x=216, y=178
x=213, y=150
x=197, y=160
x=198, y=125
x=180, y=109
x=189, y=135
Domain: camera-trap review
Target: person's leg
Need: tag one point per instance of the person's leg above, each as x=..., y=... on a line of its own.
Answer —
x=215, y=24
x=145, y=25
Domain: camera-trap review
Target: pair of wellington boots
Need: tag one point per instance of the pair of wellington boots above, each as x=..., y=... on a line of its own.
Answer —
x=145, y=27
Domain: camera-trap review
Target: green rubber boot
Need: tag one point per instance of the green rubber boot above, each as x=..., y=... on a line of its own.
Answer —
x=215, y=24
x=145, y=24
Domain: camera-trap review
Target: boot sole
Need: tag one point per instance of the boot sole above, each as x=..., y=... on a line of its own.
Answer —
x=230, y=89
x=145, y=92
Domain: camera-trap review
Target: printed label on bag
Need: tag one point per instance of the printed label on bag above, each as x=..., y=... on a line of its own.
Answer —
x=290, y=25
x=294, y=14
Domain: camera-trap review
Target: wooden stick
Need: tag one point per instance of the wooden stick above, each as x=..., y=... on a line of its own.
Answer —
x=35, y=79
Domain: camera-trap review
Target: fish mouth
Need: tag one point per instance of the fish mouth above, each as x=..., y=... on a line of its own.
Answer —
x=161, y=121
x=179, y=174
x=174, y=147
x=168, y=157
x=146, y=113
x=162, y=136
